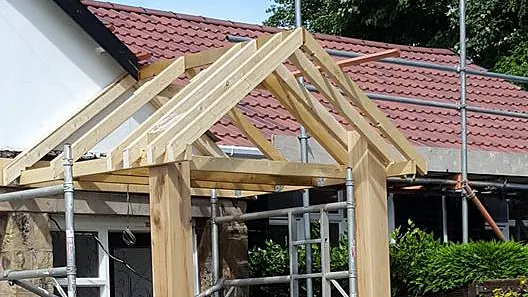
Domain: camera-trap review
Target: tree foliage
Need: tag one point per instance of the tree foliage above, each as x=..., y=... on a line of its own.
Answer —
x=497, y=30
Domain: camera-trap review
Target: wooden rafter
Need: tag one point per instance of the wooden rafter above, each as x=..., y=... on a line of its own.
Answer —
x=221, y=99
x=293, y=98
x=123, y=112
x=184, y=113
x=130, y=149
x=342, y=105
x=255, y=136
x=325, y=61
x=32, y=155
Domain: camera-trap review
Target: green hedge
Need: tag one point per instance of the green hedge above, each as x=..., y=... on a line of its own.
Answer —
x=420, y=264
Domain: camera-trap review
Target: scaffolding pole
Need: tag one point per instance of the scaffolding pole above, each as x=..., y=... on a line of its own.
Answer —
x=11, y=275
x=69, y=219
x=215, y=249
x=303, y=142
x=32, y=288
x=422, y=101
x=351, y=219
x=463, y=119
x=32, y=193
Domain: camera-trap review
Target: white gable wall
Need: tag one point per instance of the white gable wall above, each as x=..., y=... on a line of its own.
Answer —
x=51, y=68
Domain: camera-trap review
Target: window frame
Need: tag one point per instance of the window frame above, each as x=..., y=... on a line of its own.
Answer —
x=101, y=225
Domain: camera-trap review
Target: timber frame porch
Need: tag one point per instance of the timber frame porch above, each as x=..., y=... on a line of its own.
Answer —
x=172, y=156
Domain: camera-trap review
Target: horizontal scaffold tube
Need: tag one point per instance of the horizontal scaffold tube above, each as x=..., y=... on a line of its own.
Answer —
x=33, y=289
x=32, y=193
x=35, y=273
x=280, y=212
x=420, y=101
x=417, y=64
x=269, y=280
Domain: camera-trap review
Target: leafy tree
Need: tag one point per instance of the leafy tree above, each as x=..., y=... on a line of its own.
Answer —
x=497, y=30
x=417, y=22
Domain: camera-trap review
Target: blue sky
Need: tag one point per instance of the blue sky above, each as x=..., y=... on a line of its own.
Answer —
x=247, y=11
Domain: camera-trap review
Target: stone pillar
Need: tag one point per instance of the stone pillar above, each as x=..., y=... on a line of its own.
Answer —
x=25, y=243
x=233, y=248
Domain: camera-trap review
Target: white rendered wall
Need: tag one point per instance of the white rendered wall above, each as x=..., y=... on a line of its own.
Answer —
x=50, y=69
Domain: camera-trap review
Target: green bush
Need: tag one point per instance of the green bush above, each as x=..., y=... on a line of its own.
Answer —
x=420, y=264
x=409, y=252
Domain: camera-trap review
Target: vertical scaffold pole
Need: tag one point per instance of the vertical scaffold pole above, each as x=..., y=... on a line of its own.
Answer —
x=294, y=269
x=215, y=250
x=351, y=218
x=303, y=138
x=463, y=118
x=326, y=286
x=69, y=218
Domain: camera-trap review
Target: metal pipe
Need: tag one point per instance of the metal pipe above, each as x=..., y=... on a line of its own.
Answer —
x=337, y=275
x=445, y=236
x=280, y=212
x=257, y=281
x=32, y=193
x=426, y=102
x=445, y=105
x=324, y=229
x=195, y=259
x=487, y=217
x=69, y=219
x=391, y=214
x=450, y=182
x=35, y=273
x=283, y=279
x=303, y=142
x=215, y=251
x=463, y=117
x=33, y=289
x=417, y=64
x=217, y=287
x=292, y=251
x=351, y=219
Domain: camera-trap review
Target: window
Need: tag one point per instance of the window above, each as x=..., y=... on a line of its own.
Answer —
x=93, y=264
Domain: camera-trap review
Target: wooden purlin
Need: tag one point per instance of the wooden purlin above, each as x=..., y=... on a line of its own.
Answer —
x=354, y=93
x=361, y=59
x=221, y=99
x=32, y=155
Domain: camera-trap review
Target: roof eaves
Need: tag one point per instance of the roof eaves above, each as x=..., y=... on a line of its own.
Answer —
x=101, y=34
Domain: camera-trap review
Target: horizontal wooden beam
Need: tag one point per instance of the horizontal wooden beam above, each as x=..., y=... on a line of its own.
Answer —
x=131, y=188
x=267, y=167
x=240, y=186
x=193, y=60
x=401, y=168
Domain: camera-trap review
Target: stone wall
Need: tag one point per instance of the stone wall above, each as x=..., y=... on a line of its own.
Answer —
x=233, y=249
x=25, y=243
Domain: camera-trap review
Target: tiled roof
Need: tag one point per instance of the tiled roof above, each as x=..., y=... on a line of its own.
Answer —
x=160, y=34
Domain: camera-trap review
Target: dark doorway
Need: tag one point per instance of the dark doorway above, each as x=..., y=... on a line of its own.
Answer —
x=124, y=282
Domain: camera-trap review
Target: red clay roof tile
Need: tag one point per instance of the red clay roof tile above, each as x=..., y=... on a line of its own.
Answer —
x=164, y=34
